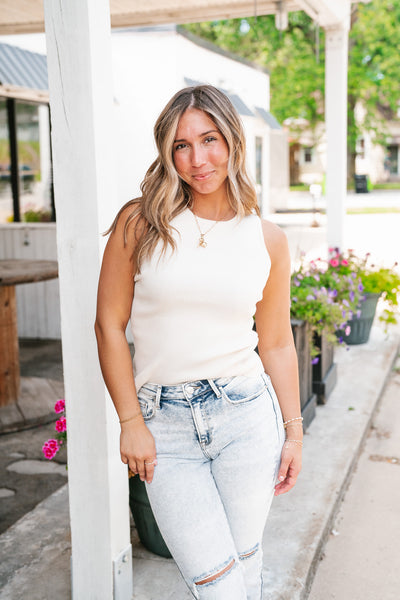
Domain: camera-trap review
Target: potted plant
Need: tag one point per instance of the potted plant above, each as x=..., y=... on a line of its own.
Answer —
x=146, y=525
x=325, y=300
x=377, y=281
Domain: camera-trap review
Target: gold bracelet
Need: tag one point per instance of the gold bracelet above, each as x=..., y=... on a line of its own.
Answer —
x=286, y=423
x=131, y=418
x=295, y=442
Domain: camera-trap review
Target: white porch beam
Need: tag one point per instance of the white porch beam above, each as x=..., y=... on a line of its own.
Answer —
x=80, y=85
x=336, y=128
x=26, y=16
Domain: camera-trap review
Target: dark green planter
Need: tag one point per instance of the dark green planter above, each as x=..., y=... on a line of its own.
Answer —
x=361, y=328
x=146, y=525
x=324, y=372
x=308, y=399
x=307, y=396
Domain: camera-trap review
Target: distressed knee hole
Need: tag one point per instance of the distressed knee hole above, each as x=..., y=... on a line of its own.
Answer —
x=216, y=575
x=249, y=553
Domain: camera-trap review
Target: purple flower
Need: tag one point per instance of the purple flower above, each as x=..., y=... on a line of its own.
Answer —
x=310, y=297
x=315, y=360
x=340, y=340
x=316, y=277
x=333, y=293
x=360, y=287
x=351, y=295
x=296, y=283
x=346, y=302
x=358, y=314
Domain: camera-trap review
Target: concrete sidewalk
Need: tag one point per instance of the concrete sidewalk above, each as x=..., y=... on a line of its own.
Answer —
x=35, y=561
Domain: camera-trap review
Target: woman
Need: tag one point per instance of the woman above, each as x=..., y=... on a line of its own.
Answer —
x=190, y=263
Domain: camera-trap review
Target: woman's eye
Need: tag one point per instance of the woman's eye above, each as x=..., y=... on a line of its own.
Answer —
x=180, y=146
x=210, y=139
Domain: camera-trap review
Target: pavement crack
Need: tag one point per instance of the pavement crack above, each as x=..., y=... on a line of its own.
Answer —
x=393, y=460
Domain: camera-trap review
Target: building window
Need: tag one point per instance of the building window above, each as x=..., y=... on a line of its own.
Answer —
x=26, y=191
x=308, y=154
x=392, y=160
x=6, y=200
x=360, y=148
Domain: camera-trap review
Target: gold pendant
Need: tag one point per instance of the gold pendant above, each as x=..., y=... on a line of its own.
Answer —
x=202, y=242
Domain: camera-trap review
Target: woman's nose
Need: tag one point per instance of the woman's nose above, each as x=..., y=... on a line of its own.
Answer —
x=198, y=156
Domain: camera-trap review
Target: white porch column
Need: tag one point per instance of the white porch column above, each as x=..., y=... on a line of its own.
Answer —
x=79, y=65
x=336, y=129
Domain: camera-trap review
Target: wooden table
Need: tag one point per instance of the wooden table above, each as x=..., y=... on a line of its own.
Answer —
x=13, y=272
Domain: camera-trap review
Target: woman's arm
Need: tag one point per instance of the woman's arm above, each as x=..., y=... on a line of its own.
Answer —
x=277, y=351
x=114, y=302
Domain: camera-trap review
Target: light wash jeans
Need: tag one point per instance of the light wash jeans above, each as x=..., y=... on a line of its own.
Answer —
x=218, y=445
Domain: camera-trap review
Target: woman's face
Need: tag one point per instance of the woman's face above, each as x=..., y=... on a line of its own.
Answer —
x=201, y=153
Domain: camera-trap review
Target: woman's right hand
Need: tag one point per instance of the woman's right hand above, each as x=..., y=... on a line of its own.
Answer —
x=138, y=449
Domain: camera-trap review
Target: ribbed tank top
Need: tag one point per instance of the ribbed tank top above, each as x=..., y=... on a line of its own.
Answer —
x=192, y=312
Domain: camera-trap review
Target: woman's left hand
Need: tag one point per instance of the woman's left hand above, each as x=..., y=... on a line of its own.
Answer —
x=289, y=468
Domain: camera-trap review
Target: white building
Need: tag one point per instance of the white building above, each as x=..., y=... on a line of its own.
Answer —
x=176, y=59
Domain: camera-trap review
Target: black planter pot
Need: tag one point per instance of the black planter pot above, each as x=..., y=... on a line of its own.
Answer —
x=361, y=328
x=146, y=525
x=308, y=399
x=324, y=372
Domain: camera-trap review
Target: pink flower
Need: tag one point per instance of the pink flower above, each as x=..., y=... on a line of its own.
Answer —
x=347, y=330
x=59, y=406
x=50, y=448
x=345, y=262
x=334, y=262
x=61, y=425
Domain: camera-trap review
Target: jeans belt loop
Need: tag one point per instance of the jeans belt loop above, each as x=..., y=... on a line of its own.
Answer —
x=158, y=395
x=215, y=388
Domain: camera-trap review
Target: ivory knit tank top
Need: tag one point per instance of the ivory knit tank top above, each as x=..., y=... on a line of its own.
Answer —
x=192, y=312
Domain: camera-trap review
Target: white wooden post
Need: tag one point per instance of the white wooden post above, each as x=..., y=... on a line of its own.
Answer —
x=336, y=130
x=79, y=65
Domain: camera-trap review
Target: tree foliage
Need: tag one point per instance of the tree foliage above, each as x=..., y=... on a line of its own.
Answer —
x=297, y=76
x=374, y=66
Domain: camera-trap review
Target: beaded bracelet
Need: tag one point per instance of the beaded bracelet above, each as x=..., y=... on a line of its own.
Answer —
x=138, y=414
x=286, y=423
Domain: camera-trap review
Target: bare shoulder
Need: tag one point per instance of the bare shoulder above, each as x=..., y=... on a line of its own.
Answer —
x=126, y=226
x=275, y=239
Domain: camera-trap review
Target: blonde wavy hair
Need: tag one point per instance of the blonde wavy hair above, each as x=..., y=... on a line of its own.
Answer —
x=164, y=193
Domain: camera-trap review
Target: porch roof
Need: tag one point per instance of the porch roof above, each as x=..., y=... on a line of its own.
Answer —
x=26, y=16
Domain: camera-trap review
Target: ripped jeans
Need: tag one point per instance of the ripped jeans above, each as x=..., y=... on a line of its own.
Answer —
x=218, y=445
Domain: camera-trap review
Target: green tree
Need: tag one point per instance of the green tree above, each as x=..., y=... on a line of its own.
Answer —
x=297, y=76
x=374, y=70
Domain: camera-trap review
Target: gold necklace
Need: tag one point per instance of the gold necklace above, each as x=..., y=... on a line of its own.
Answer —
x=202, y=241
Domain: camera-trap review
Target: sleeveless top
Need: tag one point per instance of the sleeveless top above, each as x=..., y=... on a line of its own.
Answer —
x=192, y=311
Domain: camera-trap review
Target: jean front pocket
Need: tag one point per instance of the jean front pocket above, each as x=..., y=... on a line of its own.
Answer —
x=146, y=403
x=243, y=389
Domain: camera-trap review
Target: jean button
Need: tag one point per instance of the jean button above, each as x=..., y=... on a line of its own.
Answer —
x=189, y=389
